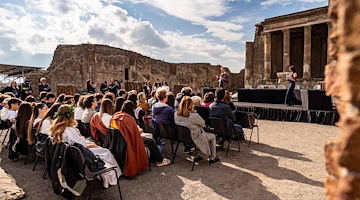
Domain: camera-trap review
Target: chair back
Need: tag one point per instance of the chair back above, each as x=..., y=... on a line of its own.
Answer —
x=317, y=87
x=248, y=87
x=219, y=126
x=244, y=119
x=84, y=128
x=260, y=87
x=5, y=124
x=78, y=158
x=282, y=87
x=272, y=87
x=167, y=132
x=116, y=143
x=185, y=135
x=297, y=87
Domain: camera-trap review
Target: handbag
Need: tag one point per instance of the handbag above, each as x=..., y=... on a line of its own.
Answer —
x=40, y=144
x=93, y=161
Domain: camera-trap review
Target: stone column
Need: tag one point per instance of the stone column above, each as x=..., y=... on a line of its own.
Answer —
x=307, y=52
x=286, y=48
x=249, y=64
x=330, y=45
x=267, y=56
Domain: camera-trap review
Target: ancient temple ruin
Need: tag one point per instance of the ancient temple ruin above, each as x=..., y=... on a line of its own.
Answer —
x=73, y=65
x=299, y=39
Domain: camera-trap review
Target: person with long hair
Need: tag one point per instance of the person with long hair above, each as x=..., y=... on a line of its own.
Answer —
x=209, y=98
x=13, y=87
x=48, y=118
x=187, y=117
x=63, y=130
x=132, y=97
x=100, y=122
x=141, y=101
x=125, y=122
x=39, y=111
x=291, y=79
x=80, y=109
x=118, y=104
x=61, y=99
x=227, y=100
x=171, y=99
x=22, y=122
x=90, y=104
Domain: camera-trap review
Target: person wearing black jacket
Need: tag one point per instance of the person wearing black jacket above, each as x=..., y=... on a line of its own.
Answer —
x=113, y=87
x=90, y=87
x=25, y=89
x=12, y=88
x=104, y=87
x=43, y=86
x=185, y=91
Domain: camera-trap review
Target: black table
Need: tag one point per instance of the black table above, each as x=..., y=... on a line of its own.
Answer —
x=274, y=96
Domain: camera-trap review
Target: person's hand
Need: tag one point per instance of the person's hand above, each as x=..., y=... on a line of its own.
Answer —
x=13, y=120
x=141, y=130
x=26, y=92
x=30, y=92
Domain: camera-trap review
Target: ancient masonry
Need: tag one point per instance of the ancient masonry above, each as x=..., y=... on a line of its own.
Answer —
x=73, y=65
x=299, y=39
x=342, y=79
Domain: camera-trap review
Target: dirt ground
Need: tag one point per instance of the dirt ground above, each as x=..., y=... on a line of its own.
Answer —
x=287, y=164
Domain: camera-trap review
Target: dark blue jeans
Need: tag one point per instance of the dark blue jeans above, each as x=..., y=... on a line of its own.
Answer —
x=289, y=99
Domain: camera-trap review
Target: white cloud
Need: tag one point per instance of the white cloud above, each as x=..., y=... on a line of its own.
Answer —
x=200, y=12
x=2, y=53
x=287, y=2
x=40, y=25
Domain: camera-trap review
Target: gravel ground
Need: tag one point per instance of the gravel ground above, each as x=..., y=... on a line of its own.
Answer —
x=287, y=164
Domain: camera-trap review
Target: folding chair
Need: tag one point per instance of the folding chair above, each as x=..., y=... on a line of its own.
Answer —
x=220, y=129
x=5, y=125
x=166, y=132
x=89, y=175
x=248, y=120
x=185, y=137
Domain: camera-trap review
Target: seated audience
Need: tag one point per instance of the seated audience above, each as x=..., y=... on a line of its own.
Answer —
x=222, y=110
x=76, y=99
x=99, y=97
x=30, y=99
x=50, y=99
x=209, y=98
x=227, y=100
x=152, y=99
x=132, y=97
x=118, y=104
x=201, y=110
x=122, y=93
x=141, y=101
x=110, y=95
x=100, y=122
x=48, y=119
x=80, y=109
x=19, y=141
x=187, y=117
x=5, y=110
x=13, y=88
x=171, y=99
x=185, y=91
x=61, y=99
x=162, y=113
x=39, y=111
x=43, y=98
x=63, y=130
x=69, y=100
x=90, y=105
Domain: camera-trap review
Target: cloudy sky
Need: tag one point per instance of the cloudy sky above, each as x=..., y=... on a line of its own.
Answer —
x=213, y=31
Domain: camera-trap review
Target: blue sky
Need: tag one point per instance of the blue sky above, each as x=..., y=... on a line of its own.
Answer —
x=212, y=31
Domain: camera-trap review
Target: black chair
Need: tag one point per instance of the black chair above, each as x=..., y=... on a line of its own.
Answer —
x=185, y=137
x=41, y=140
x=89, y=175
x=220, y=129
x=166, y=132
x=31, y=148
x=248, y=120
x=84, y=128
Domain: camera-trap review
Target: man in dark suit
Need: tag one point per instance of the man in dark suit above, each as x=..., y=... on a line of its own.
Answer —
x=43, y=86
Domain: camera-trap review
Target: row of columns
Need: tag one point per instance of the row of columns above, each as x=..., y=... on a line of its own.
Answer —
x=286, y=52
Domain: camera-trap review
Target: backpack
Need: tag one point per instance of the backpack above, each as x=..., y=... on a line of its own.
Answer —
x=93, y=161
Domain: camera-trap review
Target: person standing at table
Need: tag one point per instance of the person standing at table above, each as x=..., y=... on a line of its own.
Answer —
x=291, y=79
x=223, y=79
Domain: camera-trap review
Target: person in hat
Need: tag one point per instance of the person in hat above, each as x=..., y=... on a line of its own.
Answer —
x=25, y=89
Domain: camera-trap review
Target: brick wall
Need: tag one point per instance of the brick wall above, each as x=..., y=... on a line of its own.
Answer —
x=342, y=80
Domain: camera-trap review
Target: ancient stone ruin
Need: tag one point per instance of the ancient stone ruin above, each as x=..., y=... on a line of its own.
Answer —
x=73, y=65
x=299, y=39
x=342, y=80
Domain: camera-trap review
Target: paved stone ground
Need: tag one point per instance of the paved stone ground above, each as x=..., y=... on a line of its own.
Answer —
x=8, y=187
x=287, y=164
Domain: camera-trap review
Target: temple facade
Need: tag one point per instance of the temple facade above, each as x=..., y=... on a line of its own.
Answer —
x=298, y=39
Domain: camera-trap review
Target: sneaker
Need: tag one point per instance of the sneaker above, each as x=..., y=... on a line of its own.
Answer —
x=163, y=163
x=187, y=151
x=198, y=158
x=217, y=159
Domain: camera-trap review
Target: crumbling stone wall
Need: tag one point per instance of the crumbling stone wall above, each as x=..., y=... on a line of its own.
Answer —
x=75, y=64
x=342, y=79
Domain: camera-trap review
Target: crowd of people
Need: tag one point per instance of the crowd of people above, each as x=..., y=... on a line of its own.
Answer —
x=60, y=118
